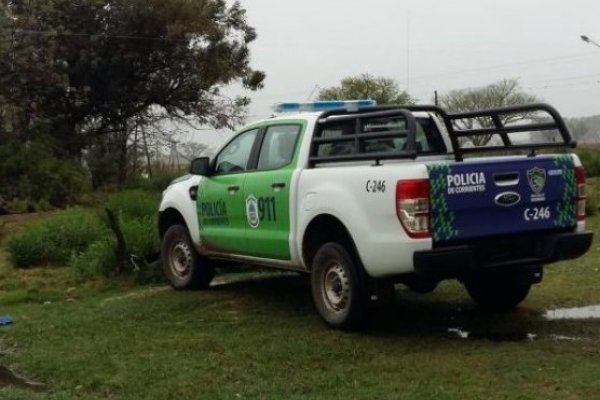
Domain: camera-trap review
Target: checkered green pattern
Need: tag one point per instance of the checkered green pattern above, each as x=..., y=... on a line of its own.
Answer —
x=442, y=219
x=565, y=209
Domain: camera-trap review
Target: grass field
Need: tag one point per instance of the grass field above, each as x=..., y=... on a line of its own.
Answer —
x=258, y=337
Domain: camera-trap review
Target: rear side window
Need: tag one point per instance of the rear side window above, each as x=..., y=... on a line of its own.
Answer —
x=278, y=146
x=428, y=137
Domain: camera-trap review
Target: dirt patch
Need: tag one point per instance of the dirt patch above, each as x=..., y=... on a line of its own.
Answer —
x=9, y=378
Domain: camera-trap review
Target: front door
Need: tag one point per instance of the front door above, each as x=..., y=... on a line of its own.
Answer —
x=220, y=204
x=267, y=193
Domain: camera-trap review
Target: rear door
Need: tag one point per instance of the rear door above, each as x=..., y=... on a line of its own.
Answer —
x=476, y=199
x=220, y=204
x=267, y=192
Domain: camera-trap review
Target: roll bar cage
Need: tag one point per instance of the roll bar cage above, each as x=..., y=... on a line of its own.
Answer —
x=555, y=122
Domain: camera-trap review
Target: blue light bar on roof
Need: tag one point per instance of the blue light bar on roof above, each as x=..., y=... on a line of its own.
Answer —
x=312, y=106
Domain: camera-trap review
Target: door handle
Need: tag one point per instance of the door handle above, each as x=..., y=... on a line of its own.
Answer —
x=278, y=185
x=233, y=188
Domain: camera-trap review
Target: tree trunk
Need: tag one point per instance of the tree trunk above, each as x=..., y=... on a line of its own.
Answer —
x=122, y=138
x=147, y=152
x=121, y=250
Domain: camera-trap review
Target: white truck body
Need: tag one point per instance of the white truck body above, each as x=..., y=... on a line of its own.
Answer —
x=231, y=214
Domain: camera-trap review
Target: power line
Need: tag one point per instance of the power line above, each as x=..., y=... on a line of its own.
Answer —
x=500, y=66
x=573, y=84
x=567, y=78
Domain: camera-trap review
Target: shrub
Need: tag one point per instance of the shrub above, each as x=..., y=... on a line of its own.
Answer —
x=32, y=172
x=592, y=204
x=141, y=236
x=590, y=157
x=138, y=219
x=131, y=204
x=83, y=239
x=56, y=239
x=98, y=260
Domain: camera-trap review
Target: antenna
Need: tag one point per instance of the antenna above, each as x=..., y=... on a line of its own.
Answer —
x=408, y=51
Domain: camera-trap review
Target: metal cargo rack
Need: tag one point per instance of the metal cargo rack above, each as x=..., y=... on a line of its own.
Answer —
x=552, y=122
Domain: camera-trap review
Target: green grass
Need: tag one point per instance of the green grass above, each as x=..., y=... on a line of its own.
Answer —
x=56, y=239
x=260, y=338
x=82, y=238
x=590, y=157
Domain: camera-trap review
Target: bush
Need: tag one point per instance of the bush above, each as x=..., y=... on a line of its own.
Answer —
x=32, y=172
x=141, y=236
x=590, y=157
x=592, y=204
x=131, y=204
x=98, y=260
x=138, y=219
x=83, y=239
x=56, y=239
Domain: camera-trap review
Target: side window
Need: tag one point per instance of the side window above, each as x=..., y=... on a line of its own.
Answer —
x=234, y=157
x=278, y=146
x=428, y=138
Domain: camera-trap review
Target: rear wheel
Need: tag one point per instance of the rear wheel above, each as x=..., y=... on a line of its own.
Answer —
x=497, y=291
x=337, y=288
x=183, y=266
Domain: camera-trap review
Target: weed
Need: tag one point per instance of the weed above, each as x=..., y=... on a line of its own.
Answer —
x=98, y=260
x=131, y=204
x=55, y=239
x=590, y=158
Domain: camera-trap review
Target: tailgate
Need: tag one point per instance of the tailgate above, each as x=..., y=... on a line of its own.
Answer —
x=481, y=198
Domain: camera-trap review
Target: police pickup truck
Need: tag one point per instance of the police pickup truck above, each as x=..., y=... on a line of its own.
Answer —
x=362, y=197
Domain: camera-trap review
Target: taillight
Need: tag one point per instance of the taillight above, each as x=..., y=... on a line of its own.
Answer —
x=581, y=193
x=412, y=207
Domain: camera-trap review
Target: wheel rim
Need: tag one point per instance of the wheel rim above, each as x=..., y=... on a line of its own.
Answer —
x=180, y=259
x=336, y=287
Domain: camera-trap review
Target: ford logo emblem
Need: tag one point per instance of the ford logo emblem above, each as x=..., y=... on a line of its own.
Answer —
x=508, y=199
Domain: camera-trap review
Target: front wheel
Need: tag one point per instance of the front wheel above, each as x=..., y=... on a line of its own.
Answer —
x=497, y=291
x=336, y=287
x=183, y=266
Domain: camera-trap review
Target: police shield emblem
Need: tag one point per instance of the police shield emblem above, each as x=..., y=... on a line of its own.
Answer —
x=537, y=179
x=252, y=212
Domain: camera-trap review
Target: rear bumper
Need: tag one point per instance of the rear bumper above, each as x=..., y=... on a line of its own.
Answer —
x=516, y=252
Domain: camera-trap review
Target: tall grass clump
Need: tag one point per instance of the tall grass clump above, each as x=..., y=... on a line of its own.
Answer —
x=56, y=239
x=133, y=204
x=83, y=239
x=137, y=214
x=592, y=203
x=590, y=158
x=99, y=259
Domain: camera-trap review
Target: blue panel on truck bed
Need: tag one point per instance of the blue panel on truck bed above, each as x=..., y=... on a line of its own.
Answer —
x=498, y=197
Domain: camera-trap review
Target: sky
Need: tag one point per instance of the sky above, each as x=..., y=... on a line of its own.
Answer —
x=427, y=45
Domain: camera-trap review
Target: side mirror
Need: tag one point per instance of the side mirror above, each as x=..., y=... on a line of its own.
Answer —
x=200, y=166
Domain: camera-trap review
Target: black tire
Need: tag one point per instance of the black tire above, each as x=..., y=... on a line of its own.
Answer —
x=498, y=291
x=183, y=266
x=337, y=288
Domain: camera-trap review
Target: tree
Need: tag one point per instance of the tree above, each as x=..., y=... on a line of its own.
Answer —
x=504, y=93
x=585, y=129
x=83, y=70
x=381, y=89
